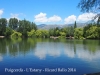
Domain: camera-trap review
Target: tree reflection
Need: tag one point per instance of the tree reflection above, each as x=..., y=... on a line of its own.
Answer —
x=1, y=58
x=16, y=46
x=3, y=46
x=84, y=49
x=91, y=45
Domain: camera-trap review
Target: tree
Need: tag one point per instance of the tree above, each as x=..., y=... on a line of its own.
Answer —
x=33, y=26
x=92, y=32
x=70, y=31
x=42, y=33
x=31, y=33
x=64, y=29
x=39, y=33
x=85, y=29
x=90, y=6
x=54, y=31
x=98, y=21
x=98, y=30
x=45, y=33
x=57, y=33
x=75, y=26
x=13, y=23
x=62, y=34
x=8, y=32
x=51, y=32
x=16, y=34
x=78, y=33
x=21, y=25
x=24, y=27
x=3, y=24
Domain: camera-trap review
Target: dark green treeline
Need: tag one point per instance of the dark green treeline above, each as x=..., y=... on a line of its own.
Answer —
x=23, y=28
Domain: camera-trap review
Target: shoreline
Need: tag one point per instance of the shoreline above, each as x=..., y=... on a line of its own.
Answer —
x=2, y=36
x=54, y=37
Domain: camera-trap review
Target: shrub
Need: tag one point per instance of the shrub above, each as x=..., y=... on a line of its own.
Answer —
x=16, y=34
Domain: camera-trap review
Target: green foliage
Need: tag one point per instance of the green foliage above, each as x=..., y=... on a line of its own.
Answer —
x=33, y=26
x=91, y=6
x=31, y=33
x=8, y=32
x=42, y=33
x=98, y=30
x=57, y=33
x=54, y=32
x=92, y=32
x=98, y=21
x=78, y=34
x=26, y=26
x=39, y=33
x=75, y=26
x=87, y=5
x=16, y=34
x=13, y=23
x=45, y=33
x=63, y=34
x=51, y=32
x=64, y=30
x=85, y=29
x=70, y=31
x=3, y=24
x=16, y=40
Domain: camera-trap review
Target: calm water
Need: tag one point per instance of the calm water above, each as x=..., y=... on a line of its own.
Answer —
x=76, y=56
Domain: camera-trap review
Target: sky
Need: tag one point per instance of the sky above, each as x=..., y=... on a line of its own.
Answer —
x=44, y=11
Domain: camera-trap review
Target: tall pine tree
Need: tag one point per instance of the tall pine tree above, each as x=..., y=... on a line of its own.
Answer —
x=75, y=26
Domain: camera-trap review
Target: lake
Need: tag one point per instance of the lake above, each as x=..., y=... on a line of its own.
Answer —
x=49, y=57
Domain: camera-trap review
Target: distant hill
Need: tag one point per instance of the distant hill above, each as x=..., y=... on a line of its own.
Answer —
x=41, y=26
x=45, y=26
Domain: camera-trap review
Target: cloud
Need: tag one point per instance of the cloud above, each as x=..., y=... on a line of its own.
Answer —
x=85, y=17
x=81, y=18
x=86, y=55
x=42, y=17
x=70, y=19
x=54, y=19
x=1, y=12
x=17, y=15
x=14, y=15
x=40, y=53
x=70, y=53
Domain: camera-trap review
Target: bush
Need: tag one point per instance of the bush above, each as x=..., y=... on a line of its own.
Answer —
x=16, y=34
x=78, y=33
x=8, y=32
x=31, y=33
x=92, y=32
x=62, y=34
x=42, y=33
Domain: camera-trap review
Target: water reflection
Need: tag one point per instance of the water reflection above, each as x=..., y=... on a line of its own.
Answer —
x=41, y=48
x=86, y=55
x=44, y=49
x=83, y=49
x=1, y=58
x=14, y=47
